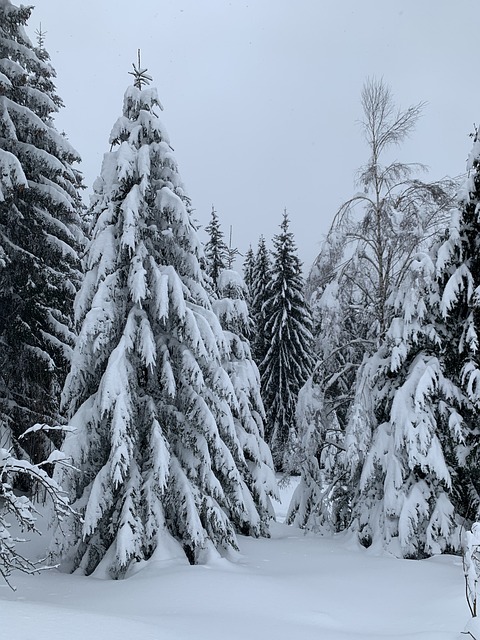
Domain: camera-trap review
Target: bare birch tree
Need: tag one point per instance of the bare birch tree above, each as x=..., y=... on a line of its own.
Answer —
x=364, y=259
x=395, y=212
x=373, y=238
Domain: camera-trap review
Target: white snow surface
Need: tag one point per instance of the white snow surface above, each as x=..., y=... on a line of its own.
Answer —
x=289, y=587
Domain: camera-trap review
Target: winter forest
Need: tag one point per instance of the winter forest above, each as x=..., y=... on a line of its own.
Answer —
x=161, y=395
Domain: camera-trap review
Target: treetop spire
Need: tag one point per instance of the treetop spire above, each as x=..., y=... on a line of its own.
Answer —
x=141, y=76
x=40, y=37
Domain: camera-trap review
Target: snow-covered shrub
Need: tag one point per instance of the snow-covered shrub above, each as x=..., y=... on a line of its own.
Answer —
x=471, y=567
x=19, y=511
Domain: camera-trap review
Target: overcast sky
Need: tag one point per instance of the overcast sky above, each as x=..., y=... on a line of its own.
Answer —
x=262, y=98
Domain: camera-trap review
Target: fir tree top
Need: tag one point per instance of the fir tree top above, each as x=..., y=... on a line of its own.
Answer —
x=141, y=76
x=216, y=251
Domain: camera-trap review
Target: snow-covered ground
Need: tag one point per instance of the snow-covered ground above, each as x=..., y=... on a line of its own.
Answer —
x=292, y=586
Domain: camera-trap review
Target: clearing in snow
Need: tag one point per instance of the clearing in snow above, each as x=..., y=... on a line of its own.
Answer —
x=293, y=586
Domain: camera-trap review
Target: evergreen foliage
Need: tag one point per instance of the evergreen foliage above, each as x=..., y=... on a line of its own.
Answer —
x=248, y=411
x=404, y=414
x=289, y=359
x=393, y=479
x=216, y=251
x=157, y=446
x=407, y=475
x=39, y=240
x=261, y=276
x=458, y=276
x=248, y=275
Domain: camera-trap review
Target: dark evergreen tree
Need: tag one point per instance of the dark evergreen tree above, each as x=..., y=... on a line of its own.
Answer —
x=39, y=239
x=289, y=359
x=160, y=460
x=261, y=276
x=216, y=251
x=248, y=277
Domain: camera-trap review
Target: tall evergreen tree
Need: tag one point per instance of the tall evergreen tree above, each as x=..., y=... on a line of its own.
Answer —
x=289, y=360
x=458, y=275
x=159, y=456
x=216, y=251
x=248, y=277
x=39, y=239
x=261, y=276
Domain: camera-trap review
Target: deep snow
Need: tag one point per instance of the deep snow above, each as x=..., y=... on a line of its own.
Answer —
x=292, y=586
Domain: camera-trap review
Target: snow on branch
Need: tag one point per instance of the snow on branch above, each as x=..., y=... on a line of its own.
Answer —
x=21, y=508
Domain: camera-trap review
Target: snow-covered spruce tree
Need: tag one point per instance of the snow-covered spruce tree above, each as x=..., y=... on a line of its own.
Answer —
x=261, y=276
x=248, y=412
x=289, y=359
x=458, y=275
x=159, y=456
x=393, y=483
x=216, y=251
x=405, y=430
x=411, y=437
x=39, y=239
x=248, y=274
x=318, y=436
x=395, y=480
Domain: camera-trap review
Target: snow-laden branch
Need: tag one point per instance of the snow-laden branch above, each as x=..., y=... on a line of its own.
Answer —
x=21, y=509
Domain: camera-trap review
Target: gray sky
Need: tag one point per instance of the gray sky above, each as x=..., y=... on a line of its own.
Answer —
x=262, y=98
